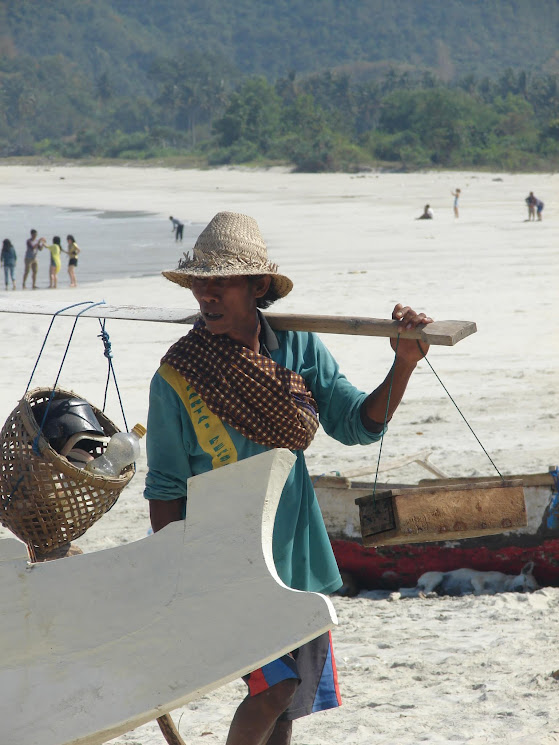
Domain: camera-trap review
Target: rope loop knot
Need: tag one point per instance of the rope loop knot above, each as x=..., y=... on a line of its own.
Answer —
x=104, y=336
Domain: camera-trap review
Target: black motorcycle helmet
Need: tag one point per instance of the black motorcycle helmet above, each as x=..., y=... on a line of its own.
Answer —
x=68, y=418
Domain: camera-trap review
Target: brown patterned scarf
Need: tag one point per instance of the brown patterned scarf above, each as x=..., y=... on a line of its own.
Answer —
x=264, y=401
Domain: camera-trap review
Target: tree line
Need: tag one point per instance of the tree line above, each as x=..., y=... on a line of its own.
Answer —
x=201, y=109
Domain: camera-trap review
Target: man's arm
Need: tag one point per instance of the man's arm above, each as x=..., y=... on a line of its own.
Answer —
x=162, y=512
x=168, y=462
x=408, y=354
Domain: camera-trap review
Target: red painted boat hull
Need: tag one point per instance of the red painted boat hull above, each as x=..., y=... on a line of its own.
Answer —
x=390, y=568
x=395, y=566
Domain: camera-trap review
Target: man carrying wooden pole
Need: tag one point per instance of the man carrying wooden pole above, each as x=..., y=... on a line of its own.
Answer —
x=233, y=388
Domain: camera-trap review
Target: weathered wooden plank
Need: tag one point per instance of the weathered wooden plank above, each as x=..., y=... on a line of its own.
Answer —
x=97, y=644
x=442, y=333
x=527, y=479
x=424, y=514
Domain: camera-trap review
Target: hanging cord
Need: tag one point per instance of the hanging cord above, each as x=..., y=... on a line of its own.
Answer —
x=386, y=414
x=458, y=410
x=89, y=306
x=35, y=445
x=89, y=303
x=448, y=394
x=104, y=336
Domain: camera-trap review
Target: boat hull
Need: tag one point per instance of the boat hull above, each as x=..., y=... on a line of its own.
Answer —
x=392, y=567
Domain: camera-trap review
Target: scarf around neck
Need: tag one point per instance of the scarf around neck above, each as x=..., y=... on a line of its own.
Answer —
x=264, y=401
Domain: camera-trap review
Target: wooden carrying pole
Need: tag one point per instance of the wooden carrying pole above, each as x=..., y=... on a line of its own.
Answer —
x=443, y=333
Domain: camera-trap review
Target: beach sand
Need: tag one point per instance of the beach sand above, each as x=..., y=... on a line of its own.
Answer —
x=463, y=670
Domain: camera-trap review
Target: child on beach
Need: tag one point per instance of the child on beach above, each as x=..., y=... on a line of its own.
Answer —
x=427, y=213
x=73, y=251
x=32, y=248
x=531, y=204
x=456, y=195
x=8, y=260
x=55, y=248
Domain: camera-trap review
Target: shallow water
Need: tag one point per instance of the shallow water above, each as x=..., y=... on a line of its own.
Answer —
x=113, y=243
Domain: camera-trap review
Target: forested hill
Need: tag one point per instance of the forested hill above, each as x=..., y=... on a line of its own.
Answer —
x=452, y=38
x=320, y=84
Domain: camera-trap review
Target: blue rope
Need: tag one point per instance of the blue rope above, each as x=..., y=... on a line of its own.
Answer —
x=90, y=305
x=104, y=336
x=108, y=352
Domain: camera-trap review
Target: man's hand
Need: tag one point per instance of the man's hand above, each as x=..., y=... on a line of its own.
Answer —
x=384, y=401
x=409, y=350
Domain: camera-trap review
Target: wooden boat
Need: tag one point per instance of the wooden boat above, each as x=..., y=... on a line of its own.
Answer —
x=98, y=644
x=394, y=566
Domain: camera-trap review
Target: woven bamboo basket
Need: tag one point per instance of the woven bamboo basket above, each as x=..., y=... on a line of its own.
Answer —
x=44, y=499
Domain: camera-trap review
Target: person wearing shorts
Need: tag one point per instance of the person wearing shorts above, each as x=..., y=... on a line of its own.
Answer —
x=73, y=251
x=193, y=428
x=314, y=668
x=33, y=246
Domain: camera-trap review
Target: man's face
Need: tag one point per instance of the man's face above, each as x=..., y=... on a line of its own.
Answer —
x=228, y=304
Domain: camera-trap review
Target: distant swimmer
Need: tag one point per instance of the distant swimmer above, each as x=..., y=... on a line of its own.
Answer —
x=427, y=213
x=456, y=195
x=177, y=228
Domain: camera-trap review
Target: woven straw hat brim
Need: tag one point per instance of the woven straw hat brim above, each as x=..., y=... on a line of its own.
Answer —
x=282, y=284
x=229, y=246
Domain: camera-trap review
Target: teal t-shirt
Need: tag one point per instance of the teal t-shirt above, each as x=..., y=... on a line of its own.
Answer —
x=185, y=439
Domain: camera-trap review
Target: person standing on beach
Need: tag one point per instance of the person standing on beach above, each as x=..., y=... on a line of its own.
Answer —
x=531, y=204
x=33, y=246
x=177, y=228
x=8, y=259
x=539, y=208
x=55, y=263
x=456, y=195
x=233, y=388
x=73, y=252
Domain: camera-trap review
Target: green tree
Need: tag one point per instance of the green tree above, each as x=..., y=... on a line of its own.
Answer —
x=194, y=87
x=253, y=115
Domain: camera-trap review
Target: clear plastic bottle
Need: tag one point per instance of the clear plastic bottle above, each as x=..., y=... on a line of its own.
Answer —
x=122, y=449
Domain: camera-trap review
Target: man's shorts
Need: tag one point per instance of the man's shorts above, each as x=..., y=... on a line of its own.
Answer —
x=314, y=666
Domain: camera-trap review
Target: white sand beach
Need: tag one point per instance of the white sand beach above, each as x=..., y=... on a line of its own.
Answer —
x=446, y=670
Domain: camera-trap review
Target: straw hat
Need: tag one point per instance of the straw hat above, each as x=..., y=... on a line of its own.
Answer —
x=230, y=245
